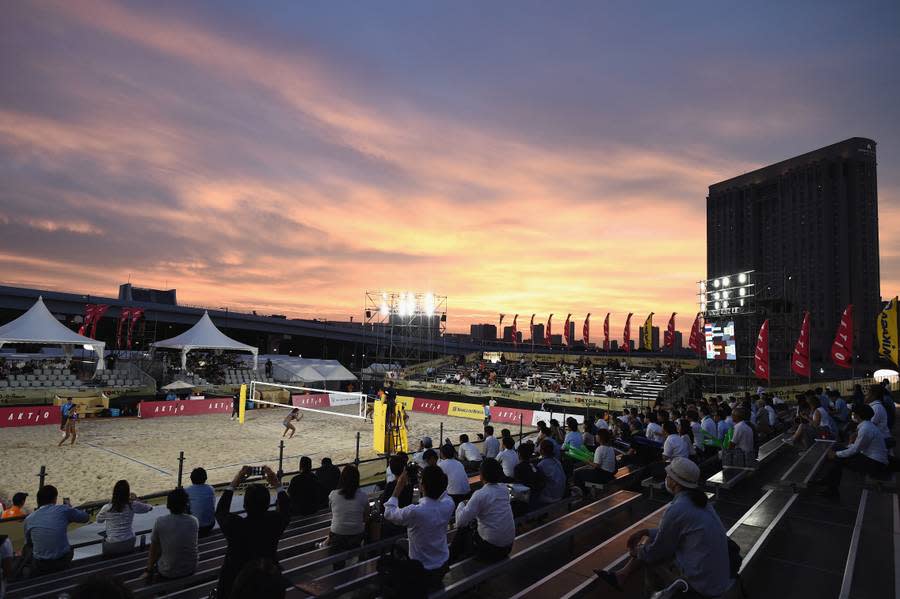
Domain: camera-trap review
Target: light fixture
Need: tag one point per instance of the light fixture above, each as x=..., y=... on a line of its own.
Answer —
x=726, y=282
x=717, y=305
x=742, y=291
x=702, y=286
x=742, y=278
x=725, y=304
x=726, y=294
x=384, y=309
x=717, y=283
x=717, y=295
x=742, y=302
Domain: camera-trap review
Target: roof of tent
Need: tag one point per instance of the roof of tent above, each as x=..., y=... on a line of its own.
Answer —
x=38, y=325
x=206, y=335
x=308, y=369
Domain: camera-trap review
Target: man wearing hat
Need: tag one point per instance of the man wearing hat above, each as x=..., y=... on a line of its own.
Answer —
x=18, y=507
x=690, y=542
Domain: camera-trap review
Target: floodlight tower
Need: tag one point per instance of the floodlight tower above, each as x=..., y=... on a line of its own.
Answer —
x=406, y=326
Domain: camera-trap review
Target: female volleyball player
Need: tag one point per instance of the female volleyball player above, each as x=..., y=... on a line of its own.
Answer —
x=288, y=422
x=71, y=429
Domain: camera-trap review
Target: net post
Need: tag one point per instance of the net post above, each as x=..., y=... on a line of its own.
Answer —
x=441, y=438
x=42, y=476
x=180, y=467
x=281, y=458
x=356, y=460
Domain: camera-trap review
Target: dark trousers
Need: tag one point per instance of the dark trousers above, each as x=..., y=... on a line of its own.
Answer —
x=468, y=542
x=459, y=498
x=204, y=531
x=408, y=579
x=48, y=566
x=857, y=463
x=339, y=543
x=592, y=475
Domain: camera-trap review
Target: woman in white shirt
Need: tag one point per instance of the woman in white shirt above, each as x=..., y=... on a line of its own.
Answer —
x=349, y=513
x=603, y=468
x=118, y=515
x=687, y=435
x=673, y=445
x=822, y=421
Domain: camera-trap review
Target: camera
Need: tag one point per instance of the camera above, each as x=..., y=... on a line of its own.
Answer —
x=256, y=470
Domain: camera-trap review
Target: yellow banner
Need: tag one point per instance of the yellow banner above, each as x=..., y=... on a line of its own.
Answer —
x=888, y=346
x=406, y=402
x=466, y=410
x=647, y=341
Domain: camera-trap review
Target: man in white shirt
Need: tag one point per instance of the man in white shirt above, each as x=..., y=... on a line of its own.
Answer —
x=491, y=444
x=468, y=453
x=867, y=453
x=654, y=431
x=603, y=468
x=458, y=481
x=508, y=458
x=419, y=457
x=743, y=435
x=490, y=506
x=879, y=415
x=426, y=530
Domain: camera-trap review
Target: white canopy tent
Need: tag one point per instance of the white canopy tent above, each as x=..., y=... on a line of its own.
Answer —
x=204, y=335
x=40, y=327
x=307, y=370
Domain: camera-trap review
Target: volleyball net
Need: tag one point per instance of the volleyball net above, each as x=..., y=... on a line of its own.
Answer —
x=307, y=399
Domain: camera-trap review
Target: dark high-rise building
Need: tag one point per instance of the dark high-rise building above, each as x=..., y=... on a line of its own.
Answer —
x=654, y=338
x=486, y=332
x=538, y=334
x=508, y=336
x=808, y=227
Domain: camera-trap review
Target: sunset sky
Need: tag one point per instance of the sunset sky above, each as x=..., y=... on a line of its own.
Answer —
x=517, y=157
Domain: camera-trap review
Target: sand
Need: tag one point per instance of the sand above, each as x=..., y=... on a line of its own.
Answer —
x=145, y=452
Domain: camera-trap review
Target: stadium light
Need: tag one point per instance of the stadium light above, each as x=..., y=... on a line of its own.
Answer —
x=702, y=286
x=717, y=305
x=742, y=278
x=429, y=304
x=726, y=282
x=384, y=311
x=717, y=283
x=742, y=291
x=725, y=304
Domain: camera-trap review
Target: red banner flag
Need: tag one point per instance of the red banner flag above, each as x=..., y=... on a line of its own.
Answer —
x=547, y=332
x=628, y=333
x=669, y=336
x=697, y=340
x=800, y=360
x=842, y=348
x=515, y=333
x=586, y=330
x=761, y=357
x=89, y=311
x=98, y=314
x=566, y=337
x=136, y=314
x=124, y=315
x=606, y=333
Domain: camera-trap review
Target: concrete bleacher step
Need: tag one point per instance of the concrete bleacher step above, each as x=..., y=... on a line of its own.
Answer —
x=870, y=570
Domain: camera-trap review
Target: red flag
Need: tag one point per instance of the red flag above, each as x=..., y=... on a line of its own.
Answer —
x=514, y=332
x=842, y=348
x=628, y=333
x=566, y=337
x=606, y=333
x=761, y=357
x=89, y=310
x=800, y=361
x=99, y=311
x=547, y=332
x=669, y=336
x=697, y=340
x=136, y=314
x=586, y=331
x=500, y=326
x=123, y=316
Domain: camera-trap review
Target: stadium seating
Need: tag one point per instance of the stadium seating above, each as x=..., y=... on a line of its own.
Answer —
x=241, y=376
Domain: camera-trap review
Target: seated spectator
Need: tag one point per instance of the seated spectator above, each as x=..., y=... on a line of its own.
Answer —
x=556, y=431
x=601, y=422
x=823, y=423
x=173, y=542
x=687, y=436
x=259, y=579
x=742, y=439
x=329, y=475
x=118, y=515
x=867, y=453
x=491, y=443
x=875, y=400
x=469, y=455
x=674, y=445
x=6, y=563
x=723, y=423
x=256, y=535
x=508, y=458
x=654, y=431
x=457, y=479
x=349, y=512
x=305, y=490
x=397, y=466
x=553, y=475
x=430, y=457
x=17, y=510
x=587, y=435
x=426, y=524
x=424, y=445
x=202, y=501
x=804, y=434
x=690, y=542
x=490, y=507
x=98, y=586
x=603, y=468
x=841, y=413
x=45, y=531
x=573, y=437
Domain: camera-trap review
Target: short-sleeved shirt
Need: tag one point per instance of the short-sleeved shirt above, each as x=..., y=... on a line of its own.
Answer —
x=47, y=528
x=176, y=537
x=203, y=503
x=555, y=480
x=13, y=512
x=508, y=459
x=347, y=514
x=605, y=457
x=743, y=438
x=457, y=481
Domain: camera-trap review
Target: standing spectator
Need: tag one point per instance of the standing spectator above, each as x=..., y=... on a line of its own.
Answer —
x=426, y=524
x=553, y=475
x=173, y=542
x=867, y=453
x=888, y=400
x=603, y=468
x=490, y=506
x=64, y=414
x=458, y=482
x=841, y=410
x=256, y=535
x=45, y=531
x=202, y=502
x=469, y=455
x=118, y=515
x=17, y=510
x=269, y=368
x=305, y=490
x=708, y=429
x=349, y=513
x=491, y=444
x=329, y=475
x=508, y=458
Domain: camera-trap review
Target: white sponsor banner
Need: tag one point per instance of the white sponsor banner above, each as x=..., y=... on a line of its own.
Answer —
x=539, y=415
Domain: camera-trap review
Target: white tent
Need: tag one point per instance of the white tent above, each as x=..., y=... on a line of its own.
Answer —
x=308, y=370
x=204, y=335
x=39, y=326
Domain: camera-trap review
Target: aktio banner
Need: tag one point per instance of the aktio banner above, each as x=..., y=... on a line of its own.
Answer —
x=311, y=400
x=431, y=406
x=510, y=415
x=195, y=407
x=29, y=416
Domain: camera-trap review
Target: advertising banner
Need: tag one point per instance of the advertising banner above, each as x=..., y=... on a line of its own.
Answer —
x=29, y=416
x=466, y=410
x=158, y=409
x=431, y=406
x=511, y=415
x=310, y=400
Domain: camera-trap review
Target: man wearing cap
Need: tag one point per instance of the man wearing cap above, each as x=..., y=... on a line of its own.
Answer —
x=690, y=542
x=17, y=510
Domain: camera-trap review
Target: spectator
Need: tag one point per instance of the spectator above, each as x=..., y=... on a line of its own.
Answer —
x=674, y=445
x=426, y=525
x=874, y=399
x=742, y=439
x=690, y=533
x=405, y=498
x=723, y=423
x=804, y=434
x=556, y=432
x=708, y=428
x=349, y=513
x=841, y=410
x=601, y=422
x=490, y=507
x=888, y=401
x=98, y=586
x=6, y=563
x=687, y=435
x=424, y=445
x=457, y=480
x=256, y=535
x=573, y=437
x=867, y=453
x=553, y=475
x=305, y=490
x=45, y=531
x=259, y=579
x=546, y=434
x=329, y=475
x=823, y=423
x=118, y=515
x=430, y=457
x=508, y=458
x=202, y=502
x=603, y=468
x=18, y=507
x=469, y=455
x=491, y=443
x=173, y=542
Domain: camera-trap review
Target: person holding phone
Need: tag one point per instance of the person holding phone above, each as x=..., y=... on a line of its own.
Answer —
x=46, y=531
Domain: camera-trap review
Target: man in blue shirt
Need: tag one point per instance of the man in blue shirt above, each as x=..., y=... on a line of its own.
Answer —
x=554, y=476
x=45, y=531
x=203, y=501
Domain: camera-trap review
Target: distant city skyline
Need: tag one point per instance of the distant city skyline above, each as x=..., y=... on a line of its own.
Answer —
x=517, y=158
